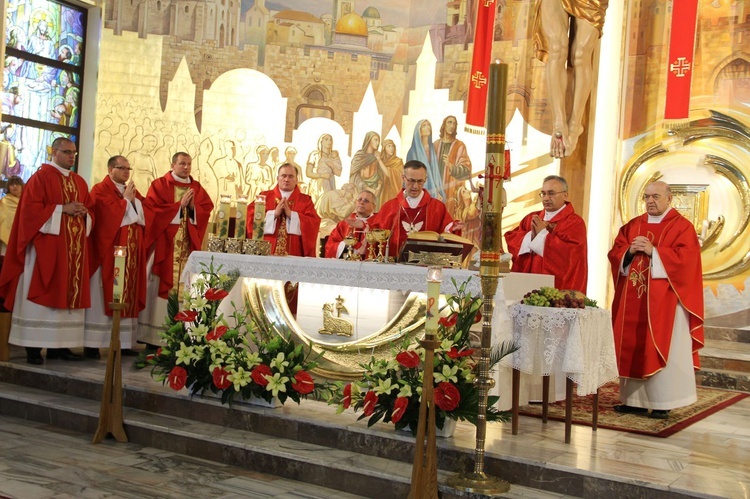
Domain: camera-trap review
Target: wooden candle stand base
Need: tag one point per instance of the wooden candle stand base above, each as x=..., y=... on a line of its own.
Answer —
x=110, y=414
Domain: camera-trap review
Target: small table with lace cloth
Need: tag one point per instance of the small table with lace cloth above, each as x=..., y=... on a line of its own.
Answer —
x=575, y=343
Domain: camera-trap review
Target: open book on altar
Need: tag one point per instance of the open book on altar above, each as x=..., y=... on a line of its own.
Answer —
x=431, y=242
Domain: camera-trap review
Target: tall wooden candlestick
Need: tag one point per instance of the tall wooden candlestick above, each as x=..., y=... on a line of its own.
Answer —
x=489, y=272
x=424, y=482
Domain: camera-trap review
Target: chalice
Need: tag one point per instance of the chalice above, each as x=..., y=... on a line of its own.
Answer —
x=381, y=236
x=386, y=235
x=350, y=241
x=371, y=241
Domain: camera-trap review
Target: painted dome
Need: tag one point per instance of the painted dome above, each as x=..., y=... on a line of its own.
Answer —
x=371, y=12
x=351, y=24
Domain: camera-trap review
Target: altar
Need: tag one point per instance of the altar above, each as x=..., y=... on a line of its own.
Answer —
x=385, y=303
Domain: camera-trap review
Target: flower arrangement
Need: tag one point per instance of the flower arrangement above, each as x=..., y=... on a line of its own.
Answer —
x=390, y=389
x=204, y=350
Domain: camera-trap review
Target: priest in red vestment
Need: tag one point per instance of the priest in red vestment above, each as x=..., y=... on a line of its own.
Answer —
x=335, y=246
x=291, y=223
x=657, y=312
x=45, y=276
x=179, y=209
x=552, y=241
x=413, y=210
x=121, y=221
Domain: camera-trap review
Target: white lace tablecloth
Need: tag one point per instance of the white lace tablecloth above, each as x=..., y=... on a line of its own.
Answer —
x=331, y=271
x=575, y=342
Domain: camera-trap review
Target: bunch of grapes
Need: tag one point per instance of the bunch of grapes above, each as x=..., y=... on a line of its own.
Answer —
x=542, y=297
x=551, y=297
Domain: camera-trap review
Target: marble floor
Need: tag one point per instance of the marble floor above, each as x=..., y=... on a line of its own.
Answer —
x=709, y=459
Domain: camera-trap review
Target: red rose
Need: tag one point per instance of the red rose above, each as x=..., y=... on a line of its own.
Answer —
x=447, y=396
x=186, y=316
x=408, y=359
x=449, y=321
x=399, y=409
x=149, y=357
x=220, y=378
x=177, y=378
x=454, y=354
x=259, y=374
x=478, y=317
x=217, y=332
x=158, y=352
x=304, y=383
x=370, y=400
x=214, y=294
x=346, y=401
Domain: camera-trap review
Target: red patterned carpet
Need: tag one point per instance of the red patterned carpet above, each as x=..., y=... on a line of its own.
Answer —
x=710, y=400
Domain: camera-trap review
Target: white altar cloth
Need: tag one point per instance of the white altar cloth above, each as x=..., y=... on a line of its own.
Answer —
x=334, y=272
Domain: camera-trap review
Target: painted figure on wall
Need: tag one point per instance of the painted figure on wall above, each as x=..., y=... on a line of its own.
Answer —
x=468, y=209
x=323, y=166
x=368, y=171
x=554, y=37
x=423, y=150
x=394, y=166
x=453, y=161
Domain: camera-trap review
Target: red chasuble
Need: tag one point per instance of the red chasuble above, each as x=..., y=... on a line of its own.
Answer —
x=61, y=274
x=309, y=222
x=565, y=254
x=339, y=234
x=109, y=209
x=161, y=208
x=643, y=309
x=396, y=215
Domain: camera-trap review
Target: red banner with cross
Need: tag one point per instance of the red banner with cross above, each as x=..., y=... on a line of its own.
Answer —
x=480, y=66
x=680, y=64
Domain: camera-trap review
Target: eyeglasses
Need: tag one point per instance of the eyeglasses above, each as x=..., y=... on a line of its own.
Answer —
x=414, y=181
x=655, y=197
x=550, y=193
x=126, y=168
x=363, y=200
x=68, y=151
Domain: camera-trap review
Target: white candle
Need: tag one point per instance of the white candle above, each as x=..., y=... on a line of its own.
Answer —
x=434, y=278
x=119, y=280
x=222, y=228
x=240, y=223
x=259, y=218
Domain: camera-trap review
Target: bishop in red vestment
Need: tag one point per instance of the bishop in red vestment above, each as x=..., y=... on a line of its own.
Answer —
x=552, y=241
x=657, y=312
x=179, y=209
x=45, y=276
x=121, y=221
x=335, y=245
x=413, y=210
x=291, y=223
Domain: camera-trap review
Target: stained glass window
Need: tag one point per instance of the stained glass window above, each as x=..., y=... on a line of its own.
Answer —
x=42, y=81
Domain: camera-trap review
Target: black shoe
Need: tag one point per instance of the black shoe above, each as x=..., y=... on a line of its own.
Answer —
x=34, y=356
x=629, y=409
x=659, y=414
x=129, y=352
x=91, y=353
x=62, y=354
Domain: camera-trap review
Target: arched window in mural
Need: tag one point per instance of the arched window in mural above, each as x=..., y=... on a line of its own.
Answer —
x=733, y=81
x=42, y=82
x=314, y=106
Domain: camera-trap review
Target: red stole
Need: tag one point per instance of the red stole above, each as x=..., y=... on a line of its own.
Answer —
x=161, y=208
x=309, y=220
x=60, y=278
x=341, y=231
x=110, y=207
x=643, y=309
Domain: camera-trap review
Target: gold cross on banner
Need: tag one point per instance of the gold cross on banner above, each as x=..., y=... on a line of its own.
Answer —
x=680, y=67
x=478, y=79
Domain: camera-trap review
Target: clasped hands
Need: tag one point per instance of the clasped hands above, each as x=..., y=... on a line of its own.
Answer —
x=188, y=199
x=283, y=205
x=642, y=244
x=75, y=209
x=537, y=225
